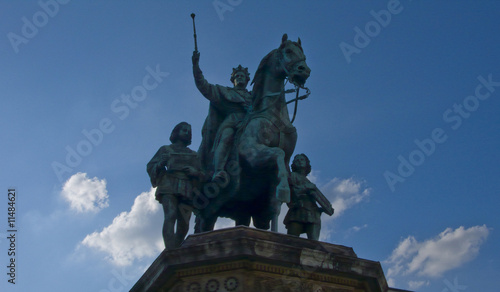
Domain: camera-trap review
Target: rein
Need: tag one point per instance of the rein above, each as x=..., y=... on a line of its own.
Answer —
x=296, y=99
x=297, y=87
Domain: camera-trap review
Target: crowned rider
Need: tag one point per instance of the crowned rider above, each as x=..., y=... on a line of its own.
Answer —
x=228, y=107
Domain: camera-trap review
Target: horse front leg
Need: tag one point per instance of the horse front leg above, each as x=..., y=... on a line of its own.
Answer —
x=276, y=205
x=260, y=157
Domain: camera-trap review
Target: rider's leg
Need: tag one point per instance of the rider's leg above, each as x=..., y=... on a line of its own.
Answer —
x=221, y=152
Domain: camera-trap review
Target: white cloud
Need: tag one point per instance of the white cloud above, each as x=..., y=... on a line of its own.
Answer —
x=391, y=282
x=132, y=235
x=414, y=285
x=137, y=234
x=431, y=258
x=355, y=229
x=345, y=193
x=85, y=194
x=313, y=176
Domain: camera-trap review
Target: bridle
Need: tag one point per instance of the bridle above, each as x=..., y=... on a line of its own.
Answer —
x=283, y=91
x=297, y=87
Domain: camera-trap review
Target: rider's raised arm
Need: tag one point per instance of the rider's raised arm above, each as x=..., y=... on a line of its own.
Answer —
x=209, y=91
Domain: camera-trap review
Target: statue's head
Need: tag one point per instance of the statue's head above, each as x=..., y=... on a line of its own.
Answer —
x=182, y=132
x=240, y=77
x=293, y=61
x=301, y=162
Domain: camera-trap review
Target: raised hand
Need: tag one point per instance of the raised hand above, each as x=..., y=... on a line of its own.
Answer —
x=196, y=58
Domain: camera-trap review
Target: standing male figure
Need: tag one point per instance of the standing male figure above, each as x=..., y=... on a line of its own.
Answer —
x=228, y=107
x=304, y=214
x=174, y=171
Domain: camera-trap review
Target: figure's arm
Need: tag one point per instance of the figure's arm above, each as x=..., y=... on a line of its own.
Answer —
x=195, y=171
x=297, y=191
x=209, y=91
x=156, y=165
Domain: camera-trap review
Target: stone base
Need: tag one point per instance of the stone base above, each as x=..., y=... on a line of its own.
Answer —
x=244, y=259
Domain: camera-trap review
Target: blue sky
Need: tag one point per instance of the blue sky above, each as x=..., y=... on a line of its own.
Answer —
x=401, y=127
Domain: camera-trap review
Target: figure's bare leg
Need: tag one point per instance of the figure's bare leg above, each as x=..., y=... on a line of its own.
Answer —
x=169, y=204
x=313, y=231
x=183, y=217
x=294, y=228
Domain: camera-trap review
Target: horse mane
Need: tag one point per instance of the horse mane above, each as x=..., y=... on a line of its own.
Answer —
x=258, y=78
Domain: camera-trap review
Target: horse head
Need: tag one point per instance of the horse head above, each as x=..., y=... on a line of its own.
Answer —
x=292, y=61
x=286, y=62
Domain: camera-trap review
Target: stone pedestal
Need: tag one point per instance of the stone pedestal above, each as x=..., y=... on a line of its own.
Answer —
x=244, y=259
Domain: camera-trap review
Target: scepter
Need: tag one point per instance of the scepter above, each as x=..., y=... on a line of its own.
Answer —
x=194, y=28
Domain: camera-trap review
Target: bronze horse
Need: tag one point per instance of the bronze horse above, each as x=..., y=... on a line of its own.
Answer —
x=258, y=183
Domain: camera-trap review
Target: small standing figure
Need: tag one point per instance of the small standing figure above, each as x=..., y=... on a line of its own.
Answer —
x=174, y=171
x=304, y=215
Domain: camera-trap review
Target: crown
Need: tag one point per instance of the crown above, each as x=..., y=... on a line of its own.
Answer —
x=240, y=69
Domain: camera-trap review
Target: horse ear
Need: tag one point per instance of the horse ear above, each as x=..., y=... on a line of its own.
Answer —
x=284, y=38
x=299, y=42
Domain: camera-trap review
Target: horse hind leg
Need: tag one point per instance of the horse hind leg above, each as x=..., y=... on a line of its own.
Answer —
x=242, y=220
x=204, y=224
x=269, y=218
x=261, y=222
